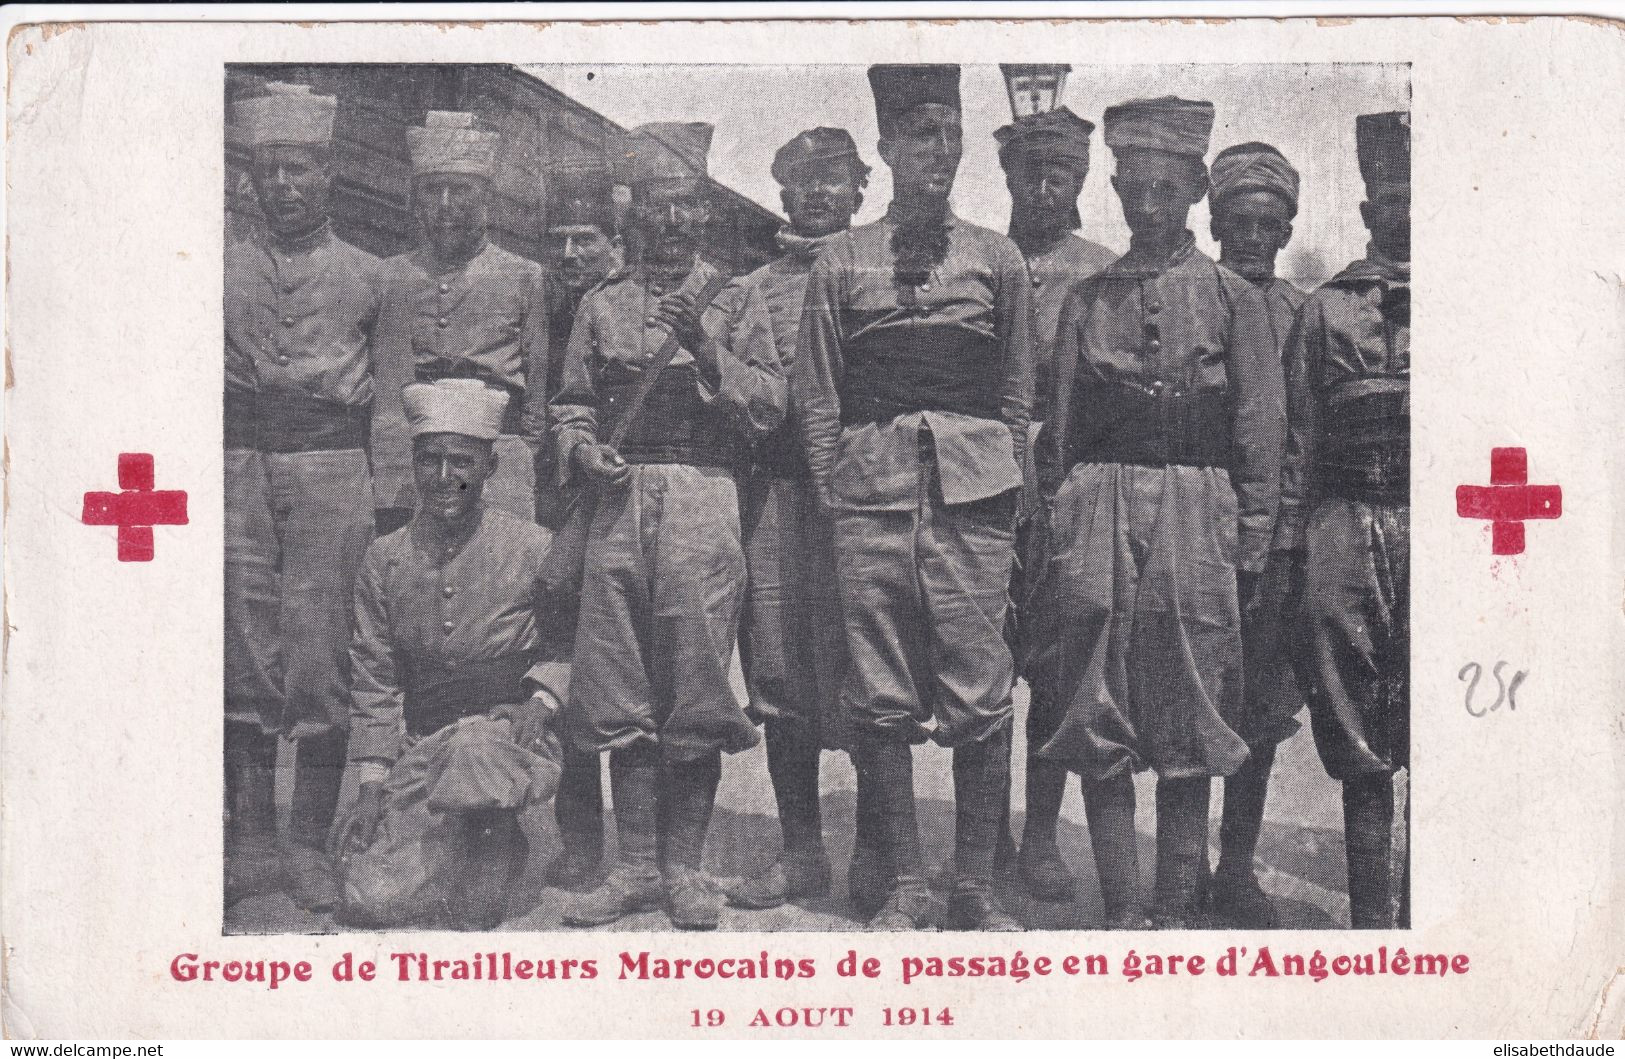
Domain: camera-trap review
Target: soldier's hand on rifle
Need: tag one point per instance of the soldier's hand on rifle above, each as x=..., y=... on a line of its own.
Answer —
x=680, y=312
x=361, y=826
x=601, y=462
x=530, y=719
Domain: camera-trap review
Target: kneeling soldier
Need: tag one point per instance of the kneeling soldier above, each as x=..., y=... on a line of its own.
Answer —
x=456, y=675
x=665, y=570
x=1160, y=465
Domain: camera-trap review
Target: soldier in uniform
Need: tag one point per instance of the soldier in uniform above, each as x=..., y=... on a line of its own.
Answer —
x=459, y=668
x=1345, y=517
x=582, y=251
x=1046, y=160
x=461, y=306
x=1253, y=201
x=1159, y=466
x=665, y=567
x=301, y=309
x=791, y=643
x=912, y=383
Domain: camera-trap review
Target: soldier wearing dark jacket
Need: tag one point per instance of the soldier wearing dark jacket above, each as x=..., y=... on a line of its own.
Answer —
x=1159, y=467
x=912, y=383
x=1345, y=517
x=1253, y=201
x=791, y=644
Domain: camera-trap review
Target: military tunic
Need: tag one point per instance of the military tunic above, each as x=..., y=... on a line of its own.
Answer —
x=1346, y=502
x=1272, y=699
x=792, y=646
x=914, y=402
x=487, y=318
x=300, y=323
x=1161, y=465
x=665, y=569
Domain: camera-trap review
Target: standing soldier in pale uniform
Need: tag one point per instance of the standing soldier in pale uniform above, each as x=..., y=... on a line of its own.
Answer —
x=665, y=567
x=1253, y=201
x=912, y=384
x=301, y=309
x=1345, y=517
x=461, y=306
x=1159, y=467
x=792, y=646
x=1046, y=160
x=581, y=251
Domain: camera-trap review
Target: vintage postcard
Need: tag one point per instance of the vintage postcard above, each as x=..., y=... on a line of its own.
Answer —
x=865, y=529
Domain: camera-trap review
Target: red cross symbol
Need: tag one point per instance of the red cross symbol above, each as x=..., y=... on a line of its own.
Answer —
x=137, y=509
x=1508, y=500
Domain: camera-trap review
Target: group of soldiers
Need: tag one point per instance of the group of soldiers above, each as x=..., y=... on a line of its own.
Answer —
x=901, y=465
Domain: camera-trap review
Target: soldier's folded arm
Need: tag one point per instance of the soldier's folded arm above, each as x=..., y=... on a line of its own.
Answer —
x=534, y=348
x=574, y=408
x=1303, y=414
x=1260, y=423
x=818, y=367
x=749, y=385
x=377, y=724
x=1013, y=319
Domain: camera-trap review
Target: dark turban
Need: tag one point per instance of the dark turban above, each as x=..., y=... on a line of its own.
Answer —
x=1057, y=135
x=1166, y=123
x=1254, y=167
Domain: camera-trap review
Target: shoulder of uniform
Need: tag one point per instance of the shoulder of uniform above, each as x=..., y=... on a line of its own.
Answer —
x=1289, y=292
x=356, y=254
x=511, y=527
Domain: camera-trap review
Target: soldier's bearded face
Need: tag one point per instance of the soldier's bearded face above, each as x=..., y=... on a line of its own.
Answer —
x=1157, y=190
x=292, y=183
x=450, y=472
x=669, y=218
x=453, y=210
x=1251, y=227
x=1387, y=214
x=821, y=197
x=1043, y=192
x=922, y=147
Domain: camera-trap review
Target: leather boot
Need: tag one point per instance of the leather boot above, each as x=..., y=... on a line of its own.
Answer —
x=689, y=789
x=1043, y=872
x=1234, y=897
x=578, y=806
x=802, y=869
x=1181, y=843
x=494, y=850
x=886, y=767
x=869, y=875
x=1368, y=820
x=1108, y=805
x=318, y=775
x=981, y=806
x=633, y=884
x=253, y=864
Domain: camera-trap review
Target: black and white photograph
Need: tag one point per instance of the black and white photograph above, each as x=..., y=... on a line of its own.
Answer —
x=891, y=497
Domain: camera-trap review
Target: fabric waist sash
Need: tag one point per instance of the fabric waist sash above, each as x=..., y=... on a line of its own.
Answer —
x=945, y=370
x=445, y=368
x=1158, y=427
x=673, y=426
x=437, y=695
x=1365, y=446
x=284, y=422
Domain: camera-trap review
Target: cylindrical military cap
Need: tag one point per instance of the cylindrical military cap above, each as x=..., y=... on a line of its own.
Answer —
x=900, y=87
x=454, y=406
x=1166, y=123
x=664, y=150
x=581, y=192
x=817, y=145
x=1056, y=135
x=1254, y=167
x=287, y=113
x=1383, y=142
x=449, y=143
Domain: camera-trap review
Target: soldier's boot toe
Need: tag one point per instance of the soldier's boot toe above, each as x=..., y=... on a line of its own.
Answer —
x=800, y=874
x=576, y=870
x=692, y=901
x=905, y=908
x=978, y=910
x=1241, y=903
x=869, y=880
x=1044, y=873
x=624, y=892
